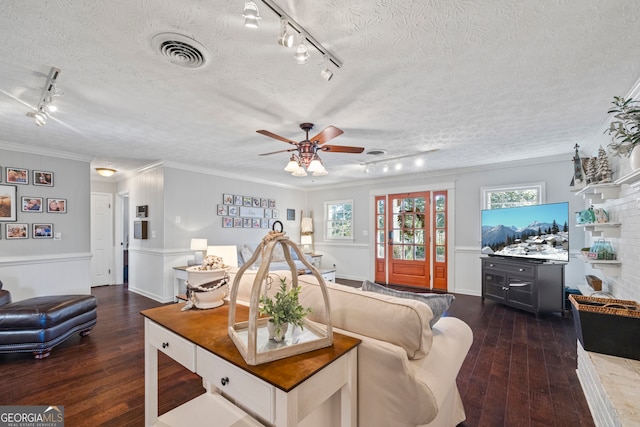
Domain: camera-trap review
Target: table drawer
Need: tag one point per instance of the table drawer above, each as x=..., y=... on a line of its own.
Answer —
x=173, y=345
x=246, y=390
x=521, y=269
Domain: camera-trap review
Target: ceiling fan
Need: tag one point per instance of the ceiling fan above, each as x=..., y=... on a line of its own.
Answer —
x=307, y=150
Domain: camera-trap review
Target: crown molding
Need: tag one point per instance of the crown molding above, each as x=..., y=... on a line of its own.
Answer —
x=22, y=148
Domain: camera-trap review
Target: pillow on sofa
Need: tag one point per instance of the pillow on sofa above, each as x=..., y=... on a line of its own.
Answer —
x=439, y=303
x=399, y=321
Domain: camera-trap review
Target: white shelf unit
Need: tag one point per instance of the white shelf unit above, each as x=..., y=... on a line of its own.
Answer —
x=602, y=229
x=598, y=193
x=610, y=268
x=633, y=179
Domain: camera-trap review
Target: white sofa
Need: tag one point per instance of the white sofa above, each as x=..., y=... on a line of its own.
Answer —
x=277, y=261
x=406, y=369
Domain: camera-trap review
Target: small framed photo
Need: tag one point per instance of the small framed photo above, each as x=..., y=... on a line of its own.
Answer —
x=16, y=231
x=275, y=213
x=8, y=203
x=16, y=176
x=222, y=210
x=272, y=203
x=247, y=201
x=42, y=231
x=237, y=222
x=234, y=210
x=264, y=223
x=57, y=205
x=43, y=178
x=237, y=200
x=227, y=199
x=246, y=222
x=256, y=223
x=31, y=204
x=256, y=202
x=227, y=222
x=291, y=214
x=267, y=213
x=264, y=203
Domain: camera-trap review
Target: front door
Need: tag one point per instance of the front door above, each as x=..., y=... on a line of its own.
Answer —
x=408, y=226
x=411, y=239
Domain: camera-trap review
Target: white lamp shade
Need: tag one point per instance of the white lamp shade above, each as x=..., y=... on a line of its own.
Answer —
x=299, y=172
x=292, y=166
x=306, y=226
x=315, y=166
x=306, y=240
x=198, y=244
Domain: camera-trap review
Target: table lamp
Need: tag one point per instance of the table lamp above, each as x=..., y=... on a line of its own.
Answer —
x=198, y=245
x=305, y=241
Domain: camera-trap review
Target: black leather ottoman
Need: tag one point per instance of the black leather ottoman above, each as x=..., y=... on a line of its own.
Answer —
x=38, y=324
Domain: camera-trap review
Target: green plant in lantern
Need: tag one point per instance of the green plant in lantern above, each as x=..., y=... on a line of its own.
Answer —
x=283, y=309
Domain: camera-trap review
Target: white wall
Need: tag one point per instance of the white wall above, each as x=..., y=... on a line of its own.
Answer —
x=354, y=259
x=183, y=205
x=34, y=267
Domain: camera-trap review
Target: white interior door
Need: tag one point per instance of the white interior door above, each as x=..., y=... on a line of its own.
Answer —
x=101, y=239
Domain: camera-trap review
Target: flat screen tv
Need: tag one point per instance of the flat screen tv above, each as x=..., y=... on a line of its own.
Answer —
x=537, y=232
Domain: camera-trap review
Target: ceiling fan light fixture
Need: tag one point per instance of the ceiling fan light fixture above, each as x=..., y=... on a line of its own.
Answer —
x=321, y=172
x=299, y=172
x=292, y=166
x=251, y=15
x=315, y=165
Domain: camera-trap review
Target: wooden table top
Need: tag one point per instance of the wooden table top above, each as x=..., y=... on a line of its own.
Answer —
x=208, y=329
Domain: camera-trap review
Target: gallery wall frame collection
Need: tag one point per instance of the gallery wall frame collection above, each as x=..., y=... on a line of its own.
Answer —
x=14, y=178
x=239, y=211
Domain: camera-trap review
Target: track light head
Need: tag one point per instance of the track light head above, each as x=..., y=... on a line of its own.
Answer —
x=285, y=39
x=302, y=52
x=326, y=74
x=251, y=15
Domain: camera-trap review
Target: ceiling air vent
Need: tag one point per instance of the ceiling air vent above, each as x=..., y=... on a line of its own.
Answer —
x=180, y=50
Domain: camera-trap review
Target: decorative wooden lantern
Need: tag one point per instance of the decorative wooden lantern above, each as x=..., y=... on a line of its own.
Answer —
x=251, y=337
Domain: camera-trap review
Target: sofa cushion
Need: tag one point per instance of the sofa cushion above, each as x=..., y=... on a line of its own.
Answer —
x=439, y=303
x=249, y=276
x=400, y=321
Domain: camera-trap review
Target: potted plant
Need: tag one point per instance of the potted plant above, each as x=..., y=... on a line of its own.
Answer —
x=283, y=309
x=625, y=128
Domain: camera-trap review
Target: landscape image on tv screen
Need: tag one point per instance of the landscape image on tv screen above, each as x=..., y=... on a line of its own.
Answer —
x=537, y=232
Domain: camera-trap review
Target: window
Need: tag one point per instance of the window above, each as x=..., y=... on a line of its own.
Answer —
x=510, y=196
x=339, y=219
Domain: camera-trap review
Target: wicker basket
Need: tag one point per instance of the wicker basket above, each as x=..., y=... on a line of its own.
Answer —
x=594, y=282
x=608, y=326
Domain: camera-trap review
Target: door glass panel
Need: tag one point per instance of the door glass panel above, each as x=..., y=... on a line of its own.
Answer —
x=380, y=207
x=419, y=252
x=380, y=236
x=419, y=221
x=440, y=254
x=420, y=205
x=440, y=236
x=419, y=237
x=407, y=236
x=381, y=221
x=440, y=219
x=380, y=251
x=407, y=205
x=440, y=202
x=396, y=205
x=397, y=252
x=408, y=252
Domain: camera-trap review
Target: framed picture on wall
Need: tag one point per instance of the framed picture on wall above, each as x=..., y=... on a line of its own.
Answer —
x=43, y=178
x=227, y=222
x=57, y=205
x=256, y=202
x=234, y=210
x=237, y=222
x=42, y=231
x=227, y=199
x=264, y=223
x=16, y=176
x=247, y=201
x=31, y=204
x=272, y=203
x=237, y=200
x=222, y=210
x=256, y=223
x=246, y=222
x=8, y=203
x=16, y=231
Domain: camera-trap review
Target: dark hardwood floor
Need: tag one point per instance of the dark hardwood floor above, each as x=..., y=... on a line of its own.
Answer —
x=520, y=370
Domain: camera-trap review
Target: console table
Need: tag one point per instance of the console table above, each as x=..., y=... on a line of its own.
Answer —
x=278, y=393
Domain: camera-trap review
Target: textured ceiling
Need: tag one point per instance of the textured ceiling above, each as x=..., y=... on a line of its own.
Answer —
x=480, y=81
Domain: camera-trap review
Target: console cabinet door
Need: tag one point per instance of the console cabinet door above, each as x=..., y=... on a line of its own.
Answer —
x=494, y=286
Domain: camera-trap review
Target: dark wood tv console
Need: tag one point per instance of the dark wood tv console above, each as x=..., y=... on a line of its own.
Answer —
x=532, y=286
